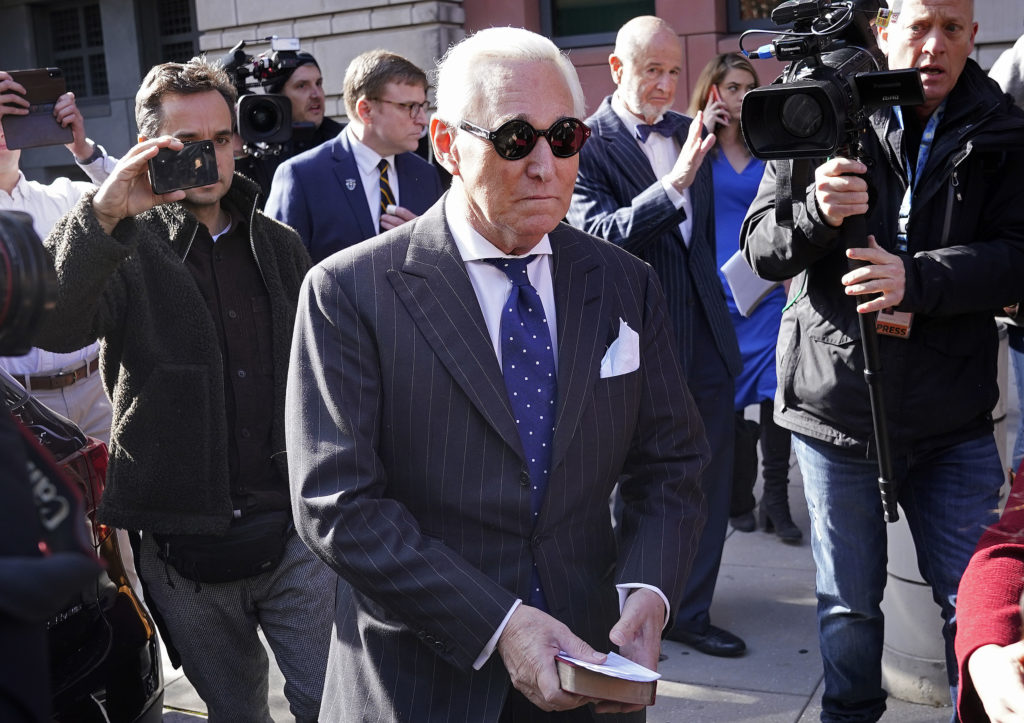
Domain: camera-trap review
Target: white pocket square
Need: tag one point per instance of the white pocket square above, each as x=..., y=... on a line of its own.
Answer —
x=623, y=356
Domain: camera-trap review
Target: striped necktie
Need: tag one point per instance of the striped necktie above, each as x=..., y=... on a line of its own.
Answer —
x=387, y=198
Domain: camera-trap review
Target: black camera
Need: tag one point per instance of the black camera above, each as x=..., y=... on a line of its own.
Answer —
x=836, y=77
x=264, y=119
x=28, y=284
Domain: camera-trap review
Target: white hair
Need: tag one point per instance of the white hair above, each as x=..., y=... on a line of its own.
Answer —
x=459, y=78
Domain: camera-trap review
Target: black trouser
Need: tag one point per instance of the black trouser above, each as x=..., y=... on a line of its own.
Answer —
x=775, y=444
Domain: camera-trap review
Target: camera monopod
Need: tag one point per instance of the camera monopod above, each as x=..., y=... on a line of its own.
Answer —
x=854, y=233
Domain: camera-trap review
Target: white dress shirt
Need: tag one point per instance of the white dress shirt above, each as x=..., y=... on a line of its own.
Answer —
x=46, y=204
x=662, y=152
x=367, y=160
x=492, y=287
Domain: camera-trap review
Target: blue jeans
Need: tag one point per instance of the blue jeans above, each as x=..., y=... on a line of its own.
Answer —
x=948, y=497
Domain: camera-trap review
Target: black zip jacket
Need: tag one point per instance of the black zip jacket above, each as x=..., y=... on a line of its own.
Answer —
x=160, y=356
x=965, y=261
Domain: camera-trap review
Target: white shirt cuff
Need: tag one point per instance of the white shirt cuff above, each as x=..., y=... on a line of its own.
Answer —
x=493, y=642
x=679, y=200
x=627, y=588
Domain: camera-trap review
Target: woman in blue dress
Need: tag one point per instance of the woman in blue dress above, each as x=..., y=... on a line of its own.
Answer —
x=719, y=93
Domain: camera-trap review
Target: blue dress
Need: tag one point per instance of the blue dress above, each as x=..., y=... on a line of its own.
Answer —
x=758, y=333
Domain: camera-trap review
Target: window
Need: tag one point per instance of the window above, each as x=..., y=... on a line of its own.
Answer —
x=70, y=36
x=575, y=23
x=168, y=31
x=747, y=14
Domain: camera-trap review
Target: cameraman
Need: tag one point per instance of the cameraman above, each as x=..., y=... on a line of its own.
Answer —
x=947, y=172
x=303, y=85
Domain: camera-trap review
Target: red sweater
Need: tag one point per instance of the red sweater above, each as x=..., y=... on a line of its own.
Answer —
x=988, y=603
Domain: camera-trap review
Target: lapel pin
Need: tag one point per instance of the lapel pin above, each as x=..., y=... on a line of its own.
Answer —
x=350, y=184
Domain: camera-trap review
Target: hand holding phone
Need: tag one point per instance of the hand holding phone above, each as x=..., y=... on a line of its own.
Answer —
x=715, y=113
x=194, y=165
x=43, y=87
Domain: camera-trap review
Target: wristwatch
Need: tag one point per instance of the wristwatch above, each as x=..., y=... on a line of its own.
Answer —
x=97, y=153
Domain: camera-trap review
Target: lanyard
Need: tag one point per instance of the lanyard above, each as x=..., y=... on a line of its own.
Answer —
x=927, y=138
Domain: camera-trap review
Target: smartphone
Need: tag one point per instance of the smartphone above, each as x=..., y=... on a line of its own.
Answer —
x=714, y=95
x=43, y=86
x=192, y=166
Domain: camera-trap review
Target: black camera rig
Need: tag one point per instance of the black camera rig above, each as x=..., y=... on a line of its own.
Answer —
x=836, y=77
x=264, y=119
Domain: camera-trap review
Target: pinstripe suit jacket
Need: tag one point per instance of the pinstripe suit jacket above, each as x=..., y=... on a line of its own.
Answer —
x=619, y=199
x=408, y=475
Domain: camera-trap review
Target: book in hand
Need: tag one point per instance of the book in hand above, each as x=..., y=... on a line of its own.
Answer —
x=618, y=679
x=748, y=289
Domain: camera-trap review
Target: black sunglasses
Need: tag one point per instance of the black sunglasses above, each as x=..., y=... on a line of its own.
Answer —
x=515, y=139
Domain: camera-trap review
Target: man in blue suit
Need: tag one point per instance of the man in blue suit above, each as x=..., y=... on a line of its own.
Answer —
x=333, y=195
x=642, y=185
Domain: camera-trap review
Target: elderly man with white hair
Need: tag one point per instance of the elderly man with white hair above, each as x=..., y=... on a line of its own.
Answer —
x=465, y=391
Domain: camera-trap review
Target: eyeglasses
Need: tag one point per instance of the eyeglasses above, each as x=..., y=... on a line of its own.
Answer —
x=413, y=108
x=515, y=139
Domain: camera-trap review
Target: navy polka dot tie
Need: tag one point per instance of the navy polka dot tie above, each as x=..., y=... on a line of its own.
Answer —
x=528, y=366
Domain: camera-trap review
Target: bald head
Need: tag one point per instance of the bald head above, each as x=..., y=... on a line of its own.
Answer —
x=637, y=33
x=646, y=66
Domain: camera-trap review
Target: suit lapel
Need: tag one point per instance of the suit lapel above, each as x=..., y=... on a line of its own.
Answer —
x=578, y=281
x=623, y=149
x=436, y=291
x=351, y=184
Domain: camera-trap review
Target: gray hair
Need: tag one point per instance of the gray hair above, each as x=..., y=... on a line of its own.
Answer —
x=459, y=78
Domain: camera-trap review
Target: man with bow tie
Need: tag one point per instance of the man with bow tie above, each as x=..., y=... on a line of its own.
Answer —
x=642, y=185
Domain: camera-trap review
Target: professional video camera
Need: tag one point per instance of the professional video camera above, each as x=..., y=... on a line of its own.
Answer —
x=834, y=80
x=28, y=285
x=264, y=119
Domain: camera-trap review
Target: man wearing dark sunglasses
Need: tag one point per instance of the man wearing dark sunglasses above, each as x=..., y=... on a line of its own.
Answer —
x=341, y=192
x=643, y=186
x=465, y=392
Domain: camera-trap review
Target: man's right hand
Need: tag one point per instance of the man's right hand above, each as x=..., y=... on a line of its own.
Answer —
x=691, y=155
x=839, y=190
x=998, y=675
x=12, y=96
x=127, y=191
x=528, y=646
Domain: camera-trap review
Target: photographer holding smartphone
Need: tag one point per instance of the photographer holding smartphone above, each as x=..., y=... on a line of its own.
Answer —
x=68, y=382
x=192, y=294
x=736, y=174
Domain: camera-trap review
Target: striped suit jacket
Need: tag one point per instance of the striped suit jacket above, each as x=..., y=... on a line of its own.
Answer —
x=619, y=199
x=408, y=476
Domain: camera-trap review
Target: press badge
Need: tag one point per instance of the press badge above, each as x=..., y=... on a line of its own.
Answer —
x=894, y=323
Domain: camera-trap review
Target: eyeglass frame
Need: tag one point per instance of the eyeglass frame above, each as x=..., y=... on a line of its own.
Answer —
x=411, y=106
x=490, y=136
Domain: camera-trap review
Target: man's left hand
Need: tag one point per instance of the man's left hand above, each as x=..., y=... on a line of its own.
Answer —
x=638, y=636
x=884, y=274
x=401, y=215
x=65, y=110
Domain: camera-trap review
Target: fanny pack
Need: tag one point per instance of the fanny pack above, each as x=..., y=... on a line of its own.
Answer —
x=253, y=545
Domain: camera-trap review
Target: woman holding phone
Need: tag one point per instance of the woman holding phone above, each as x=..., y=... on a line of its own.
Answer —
x=719, y=93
